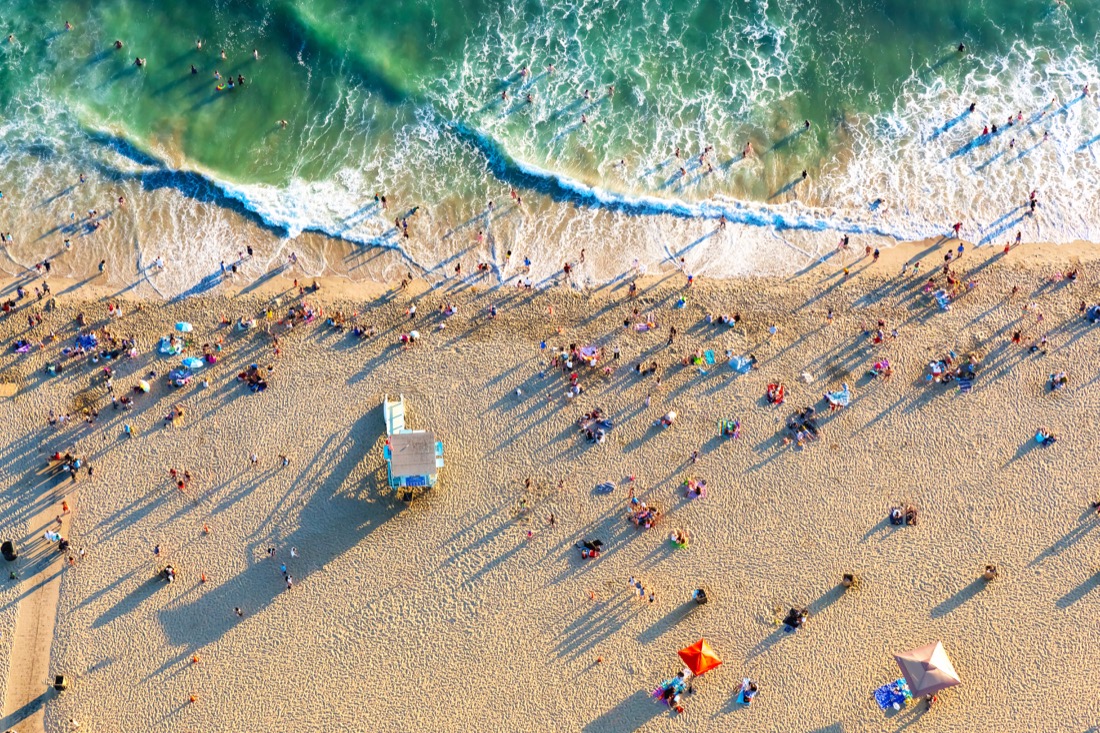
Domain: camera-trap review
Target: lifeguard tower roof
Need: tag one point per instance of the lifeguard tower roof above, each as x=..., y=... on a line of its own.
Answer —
x=413, y=454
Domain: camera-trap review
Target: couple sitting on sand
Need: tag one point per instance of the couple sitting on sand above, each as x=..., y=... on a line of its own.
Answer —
x=906, y=515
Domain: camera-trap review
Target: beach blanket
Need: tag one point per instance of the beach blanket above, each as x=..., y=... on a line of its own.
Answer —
x=966, y=384
x=166, y=347
x=943, y=299
x=709, y=356
x=892, y=694
x=741, y=365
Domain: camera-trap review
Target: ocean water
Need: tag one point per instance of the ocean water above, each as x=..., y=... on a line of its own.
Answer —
x=445, y=106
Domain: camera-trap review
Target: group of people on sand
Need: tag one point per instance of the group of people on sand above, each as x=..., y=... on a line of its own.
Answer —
x=642, y=515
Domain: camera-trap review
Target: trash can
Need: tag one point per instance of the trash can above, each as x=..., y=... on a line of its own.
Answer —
x=59, y=683
x=699, y=595
x=9, y=551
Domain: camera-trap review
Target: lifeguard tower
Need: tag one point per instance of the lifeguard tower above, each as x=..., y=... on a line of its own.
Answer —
x=413, y=457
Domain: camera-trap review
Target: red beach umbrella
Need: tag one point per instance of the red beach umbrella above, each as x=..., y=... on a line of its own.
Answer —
x=699, y=657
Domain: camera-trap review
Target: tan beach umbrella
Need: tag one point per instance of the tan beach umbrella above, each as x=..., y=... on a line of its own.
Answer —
x=927, y=669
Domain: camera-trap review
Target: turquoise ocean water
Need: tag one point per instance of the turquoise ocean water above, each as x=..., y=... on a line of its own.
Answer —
x=444, y=106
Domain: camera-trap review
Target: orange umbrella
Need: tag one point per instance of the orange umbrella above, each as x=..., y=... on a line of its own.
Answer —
x=699, y=657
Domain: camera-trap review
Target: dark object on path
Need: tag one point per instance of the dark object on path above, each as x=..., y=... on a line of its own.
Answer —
x=59, y=683
x=8, y=549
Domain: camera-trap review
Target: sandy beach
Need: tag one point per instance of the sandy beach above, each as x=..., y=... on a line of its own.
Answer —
x=465, y=609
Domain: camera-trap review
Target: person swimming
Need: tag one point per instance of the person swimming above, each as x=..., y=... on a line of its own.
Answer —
x=193, y=69
x=139, y=62
x=118, y=44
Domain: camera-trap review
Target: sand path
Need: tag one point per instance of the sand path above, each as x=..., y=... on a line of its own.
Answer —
x=28, y=679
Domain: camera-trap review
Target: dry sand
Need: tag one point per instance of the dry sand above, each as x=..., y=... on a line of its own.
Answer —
x=441, y=614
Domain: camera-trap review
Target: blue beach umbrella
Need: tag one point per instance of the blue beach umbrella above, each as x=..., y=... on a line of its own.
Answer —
x=193, y=363
x=184, y=327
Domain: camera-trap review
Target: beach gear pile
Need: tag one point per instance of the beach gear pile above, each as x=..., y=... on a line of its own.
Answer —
x=254, y=377
x=595, y=426
x=695, y=488
x=642, y=515
x=839, y=399
x=742, y=364
x=729, y=428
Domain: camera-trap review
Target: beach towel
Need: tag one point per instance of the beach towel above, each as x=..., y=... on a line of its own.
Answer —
x=943, y=299
x=709, y=356
x=966, y=384
x=841, y=398
x=605, y=488
x=741, y=365
x=741, y=699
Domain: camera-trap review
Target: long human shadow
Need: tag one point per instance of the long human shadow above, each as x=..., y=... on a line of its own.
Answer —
x=791, y=184
x=949, y=124
x=333, y=518
x=668, y=622
x=1070, y=538
x=960, y=597
x=626, y=717
x=1090, y=584
x=10, y=720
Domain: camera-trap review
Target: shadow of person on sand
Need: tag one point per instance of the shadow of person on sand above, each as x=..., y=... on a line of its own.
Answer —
x=629, y=715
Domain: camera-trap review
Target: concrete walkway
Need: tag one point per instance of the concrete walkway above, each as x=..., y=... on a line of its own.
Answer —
x=29, y=678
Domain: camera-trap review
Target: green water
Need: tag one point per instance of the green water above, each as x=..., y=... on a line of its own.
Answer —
x=371, y=92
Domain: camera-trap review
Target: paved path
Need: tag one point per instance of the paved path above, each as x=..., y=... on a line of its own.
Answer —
x=29, y=677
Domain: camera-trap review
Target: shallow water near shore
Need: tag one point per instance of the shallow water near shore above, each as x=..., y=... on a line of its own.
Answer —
x=443, y=107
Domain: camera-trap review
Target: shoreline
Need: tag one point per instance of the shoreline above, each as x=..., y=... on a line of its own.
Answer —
x=276, y=281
